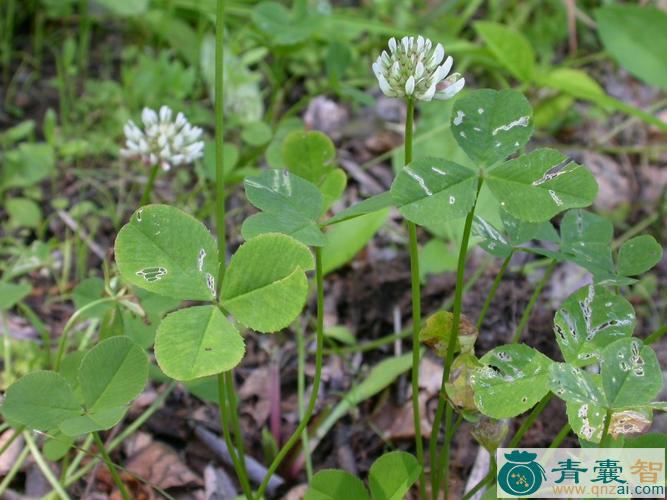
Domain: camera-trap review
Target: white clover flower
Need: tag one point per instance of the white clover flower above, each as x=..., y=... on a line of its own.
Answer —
x=412, y=69
x=163, y=141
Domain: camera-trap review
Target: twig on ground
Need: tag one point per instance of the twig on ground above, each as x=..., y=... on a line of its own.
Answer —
x=256, y=471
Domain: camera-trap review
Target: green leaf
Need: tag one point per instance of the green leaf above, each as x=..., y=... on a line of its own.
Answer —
x=636, y=36
x=168, y=252
x=436, y=257
x=57, y=446
x=430, y=190
x=230, y=154
x=334, y=484
x=367, y=206
x=539, y=185
x=631, y=375
x=511, y=48
x=333, y=186
x=256, y=133
x=341, y=334
x=281, y=25
x=292, y=224
x=279, y=190
x=265, y=286
x=338, y=58
x=490, y=125
x=515, y=233
x=125, y=7
x=196, y=342
x=27, y=165
x=112, y=374
x=392, y=475
x=102, y=419
x=586, y=240
x=575, y=385
x=292, y=206
x=590, y=319
x=587, y=420
x=309, y=155
x=274, y=154
x=23, y=212
x=574, y=82
x=40, y=400
x=346, y=239
x=493, y=241
x=638, y=255
x=379, y=378
x=11, y=294
x=514, y=379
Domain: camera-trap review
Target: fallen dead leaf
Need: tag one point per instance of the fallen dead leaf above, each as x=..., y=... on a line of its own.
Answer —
x=397, y=421
x=255, y=394
x=159, y=464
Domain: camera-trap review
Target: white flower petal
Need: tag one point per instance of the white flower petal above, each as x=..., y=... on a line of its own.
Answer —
x=451, y=90
x=446, y=67
x=420, y=43
x=384, y=86
x=165, y=114
x=392, y=44
x=148, y=116
x=410, y=85
x=437, y=56
x=419, y=70
x=430, y=92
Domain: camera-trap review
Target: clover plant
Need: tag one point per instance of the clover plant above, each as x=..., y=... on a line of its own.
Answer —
x=594, y=326
x=607, y=378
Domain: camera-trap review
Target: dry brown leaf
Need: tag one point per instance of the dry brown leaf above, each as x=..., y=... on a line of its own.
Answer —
x=160, y=465
x=256, y=387
x=397, y=421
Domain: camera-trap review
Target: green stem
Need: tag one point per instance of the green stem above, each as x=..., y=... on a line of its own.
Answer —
x=492, y=291
x=44, y=467
x=301, y=389
x=606, y=437
x=8, y=443
x=223, y=398
x=443, y=457
x=530, y=420
x=560, y=437
x=10, y=12
x=485, y=481
x=226, y=390
x=220, y=138
x=456, y=322
x=316, y=380
x=6, y=349
x=112, y=468
x=41, y=328
x=234, y=420
x=523, y=322
x=656, y=335
x=146, y=196
x=16, y=467
x=416, y=306
x=84, y=39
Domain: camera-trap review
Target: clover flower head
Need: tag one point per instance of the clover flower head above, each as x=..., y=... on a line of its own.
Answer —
x=413, y=68
x=163, y=141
